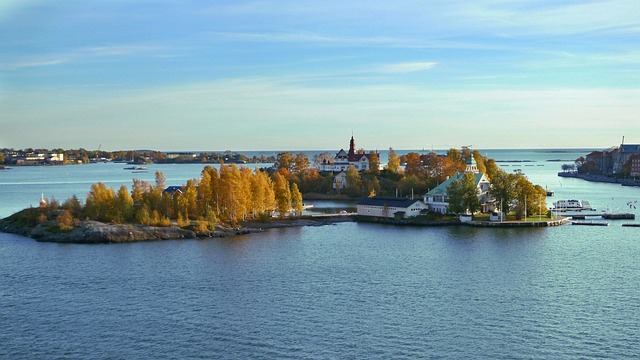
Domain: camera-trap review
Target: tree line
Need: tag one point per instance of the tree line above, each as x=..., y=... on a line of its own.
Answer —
x=231, y=194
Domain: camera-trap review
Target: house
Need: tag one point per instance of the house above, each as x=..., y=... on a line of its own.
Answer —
x=340, y=180
x=173, y=190
x=343, y=160
x=390, y=207
x=438, y=200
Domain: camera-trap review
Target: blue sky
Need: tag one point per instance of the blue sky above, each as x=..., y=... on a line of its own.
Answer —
x=295, y=75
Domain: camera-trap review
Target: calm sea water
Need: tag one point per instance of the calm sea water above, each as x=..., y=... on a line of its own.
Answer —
x=343, y=291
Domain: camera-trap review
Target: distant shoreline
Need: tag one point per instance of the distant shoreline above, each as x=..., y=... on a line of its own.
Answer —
x=600, y=178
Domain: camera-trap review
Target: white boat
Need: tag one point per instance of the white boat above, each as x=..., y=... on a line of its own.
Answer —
x=571, y=205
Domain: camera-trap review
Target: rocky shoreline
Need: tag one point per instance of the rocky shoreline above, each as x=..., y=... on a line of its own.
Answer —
x=95, y=232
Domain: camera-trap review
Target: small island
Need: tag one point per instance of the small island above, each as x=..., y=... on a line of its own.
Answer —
x=229, y=200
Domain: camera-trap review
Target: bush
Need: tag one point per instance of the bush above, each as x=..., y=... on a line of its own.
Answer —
x=65, y=221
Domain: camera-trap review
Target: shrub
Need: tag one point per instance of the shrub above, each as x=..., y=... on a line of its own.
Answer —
x=65, y=221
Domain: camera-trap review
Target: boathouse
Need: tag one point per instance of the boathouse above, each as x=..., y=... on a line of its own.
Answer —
x=390, y=207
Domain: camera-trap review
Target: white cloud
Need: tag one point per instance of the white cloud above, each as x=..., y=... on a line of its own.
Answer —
x=409, y=67
x=77, y=55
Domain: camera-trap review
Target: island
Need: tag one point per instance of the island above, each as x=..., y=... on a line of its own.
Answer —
x=457, y=187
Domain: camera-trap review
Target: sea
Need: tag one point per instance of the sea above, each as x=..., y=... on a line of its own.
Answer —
x=344, y=291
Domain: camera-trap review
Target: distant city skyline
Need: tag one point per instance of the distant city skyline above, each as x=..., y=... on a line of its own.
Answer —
x=291, y=75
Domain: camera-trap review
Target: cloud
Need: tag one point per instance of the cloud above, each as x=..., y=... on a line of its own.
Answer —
x=409, y=67
x=78, y=55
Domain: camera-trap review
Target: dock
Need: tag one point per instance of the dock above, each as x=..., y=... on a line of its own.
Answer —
x=632, y=224
x=590, y=223
x=607, y=216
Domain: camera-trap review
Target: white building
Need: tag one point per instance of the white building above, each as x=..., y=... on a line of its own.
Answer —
x=390, y=207
x=343, y=160
x=340, y=180
x=438, y=200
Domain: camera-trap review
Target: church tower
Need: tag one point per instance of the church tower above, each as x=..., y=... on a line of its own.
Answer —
x=352, y=147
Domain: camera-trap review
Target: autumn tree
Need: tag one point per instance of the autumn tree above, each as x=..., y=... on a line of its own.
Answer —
x=354, y=182
x=413, y=164
x=123, y=205
x=374, y=163
x=100, y=203
x=296, y=198
x=479, y=162
x=301, y=164
x=282, y=194
x=393, y=164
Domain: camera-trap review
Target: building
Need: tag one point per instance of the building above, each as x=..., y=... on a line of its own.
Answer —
x=343, y=160
x=622, y=157
x=38, y=159
x=438, y=200
x=340, y=180
x=390, y=207
x=634, y=166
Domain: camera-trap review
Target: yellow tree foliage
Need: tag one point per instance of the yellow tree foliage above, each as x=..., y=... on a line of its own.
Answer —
x=123, y=205
x=283, y=194
x=296, y=198
x=100, y=203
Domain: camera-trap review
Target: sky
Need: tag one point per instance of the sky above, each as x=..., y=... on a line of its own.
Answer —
x=306, y=75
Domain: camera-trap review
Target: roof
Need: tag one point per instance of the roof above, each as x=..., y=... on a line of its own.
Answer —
x=442, y=188
x=172, y=189
x=388, y=201
x=630, y=148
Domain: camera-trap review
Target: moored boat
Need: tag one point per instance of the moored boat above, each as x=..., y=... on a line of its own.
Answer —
x=572, y=205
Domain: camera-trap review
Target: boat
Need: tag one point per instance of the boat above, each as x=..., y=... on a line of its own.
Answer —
x=572, y=205
x=136, y=168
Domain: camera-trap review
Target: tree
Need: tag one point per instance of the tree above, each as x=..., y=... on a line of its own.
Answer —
x=374, y=163
x=503, y=189
x=2, y=159
x=285, y=161
x=301, y=164
x=123, y=205
x=491, y=168
x=354, y=182
x=282, y=194
x=463, y=195
x=393, y=165
x=296, y=198
x=100, y=203
x=479, y=162
x=413, y=164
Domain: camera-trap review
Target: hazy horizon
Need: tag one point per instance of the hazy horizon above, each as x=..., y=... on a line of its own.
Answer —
x=303, y=75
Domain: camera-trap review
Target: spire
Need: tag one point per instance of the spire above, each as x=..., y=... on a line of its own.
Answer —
x=352, y=146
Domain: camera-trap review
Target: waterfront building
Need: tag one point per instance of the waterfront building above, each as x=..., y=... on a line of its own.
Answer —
x=343, y=160
x=390, y=207
x=38, y=159
x=624, y=154
x=437, y=199
x=634, y=166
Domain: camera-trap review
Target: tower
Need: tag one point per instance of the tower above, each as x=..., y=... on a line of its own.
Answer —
x=352, y=147
x=472, y=167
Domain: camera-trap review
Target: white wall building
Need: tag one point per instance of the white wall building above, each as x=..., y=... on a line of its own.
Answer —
x=343, y=160
x=390, y=207
x=438, y=200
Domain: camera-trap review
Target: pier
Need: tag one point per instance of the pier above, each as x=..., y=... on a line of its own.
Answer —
x=607, y=216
